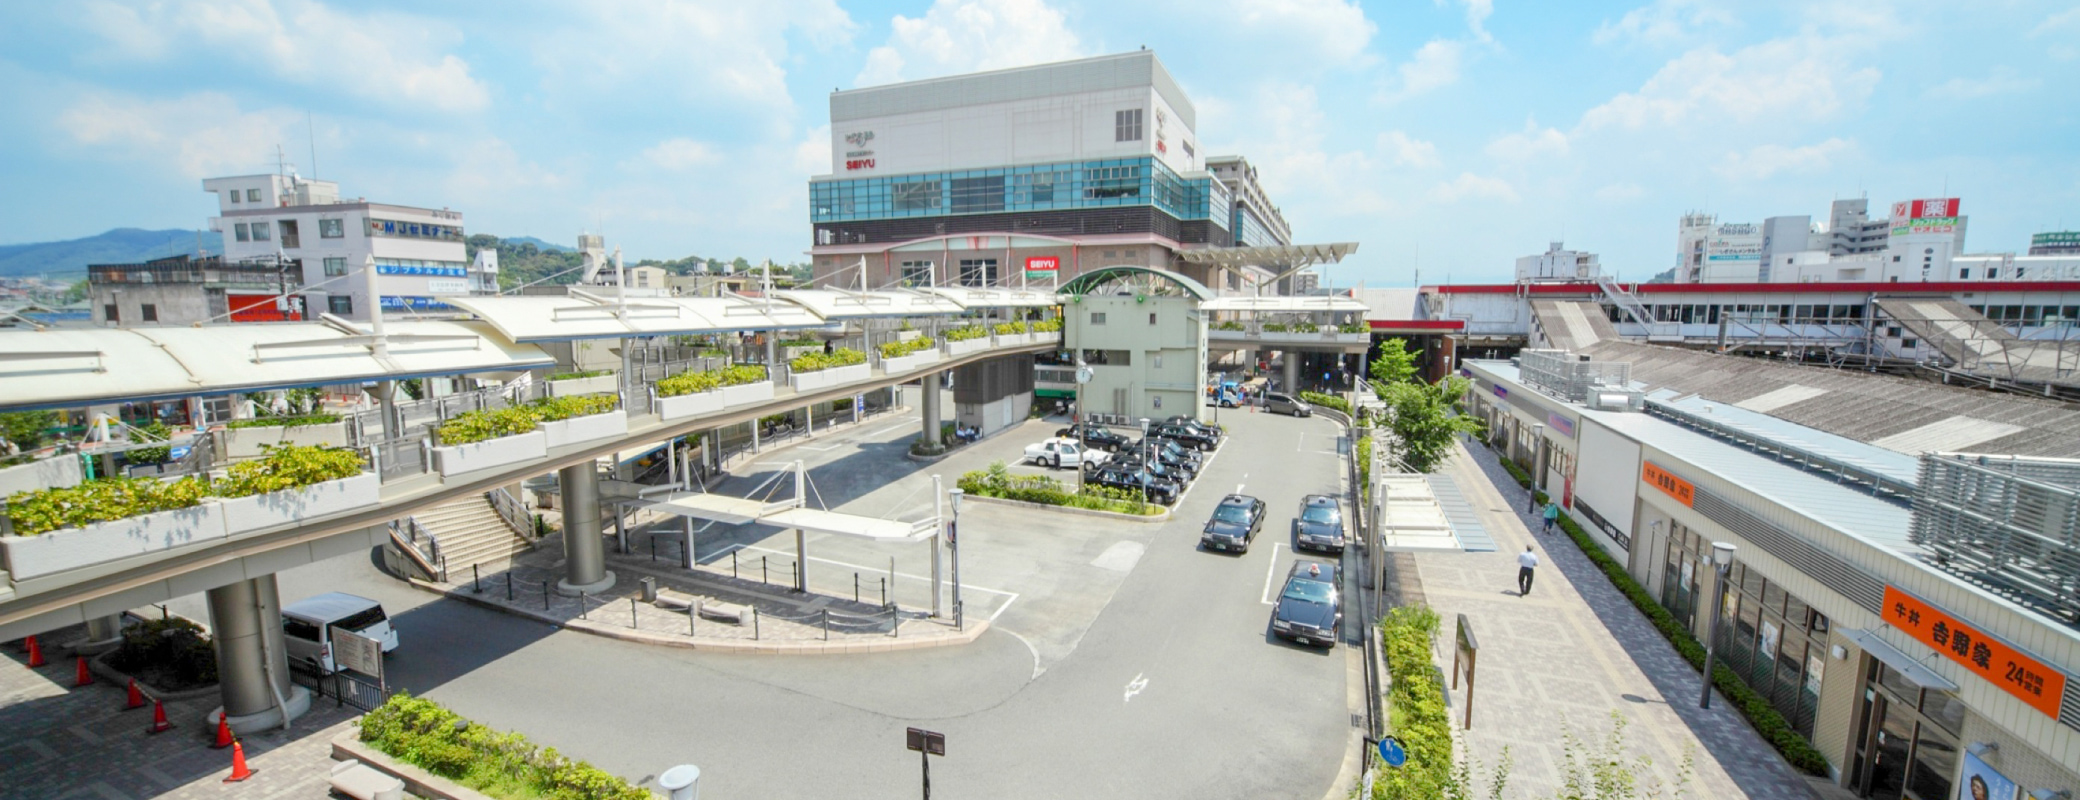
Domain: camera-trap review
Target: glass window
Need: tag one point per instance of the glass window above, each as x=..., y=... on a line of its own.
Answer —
x=239, y=231
x=342, y=304
x=1944, y=709
x=233, y=194
x=299, y=629
x=108, y=312
x=1935, y=757
x=260, y=231
x=335, y=266
x=917, y=273
x=332, y=228
x=1126, y=125
x=978, y=272
x=1097, y=318
x=917, y=196
x=252, y=195
x=149, y=312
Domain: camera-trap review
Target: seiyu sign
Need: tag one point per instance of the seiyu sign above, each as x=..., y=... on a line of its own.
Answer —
x=859, y=156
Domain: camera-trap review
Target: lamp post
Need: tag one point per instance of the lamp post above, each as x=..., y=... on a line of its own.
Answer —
x=1083, y=377
x=953, y=540
x=1722, y=560
x=1146, y=474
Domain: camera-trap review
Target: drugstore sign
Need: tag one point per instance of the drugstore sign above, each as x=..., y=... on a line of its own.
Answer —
x=2029, y=680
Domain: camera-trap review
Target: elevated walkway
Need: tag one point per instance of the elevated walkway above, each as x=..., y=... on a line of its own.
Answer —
x=1983, y=347
x=1572, y=325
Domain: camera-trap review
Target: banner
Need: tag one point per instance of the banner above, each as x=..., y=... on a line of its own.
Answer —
x=1981, y=782
x=2029, y=680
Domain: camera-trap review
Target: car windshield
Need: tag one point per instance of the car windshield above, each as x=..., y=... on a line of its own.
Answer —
x=1323, y=514
x=1311, y=591
x=1234, y=514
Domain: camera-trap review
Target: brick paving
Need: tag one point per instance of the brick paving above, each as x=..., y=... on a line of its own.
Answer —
x=1572, y=652
x=60, y=743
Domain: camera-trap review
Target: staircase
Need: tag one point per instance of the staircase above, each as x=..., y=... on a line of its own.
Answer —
x=472, y=531
x=1657, y=331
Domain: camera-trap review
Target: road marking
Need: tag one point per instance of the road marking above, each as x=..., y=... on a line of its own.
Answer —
x=820, y=449
x=890, y=429
x=1134, y=687
x=1238, y=487
x=1271, y=574
x=1037, y=669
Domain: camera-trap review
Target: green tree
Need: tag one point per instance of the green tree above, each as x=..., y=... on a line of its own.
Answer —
x=27, y=429
x=1425, y=420
x=1393, y=363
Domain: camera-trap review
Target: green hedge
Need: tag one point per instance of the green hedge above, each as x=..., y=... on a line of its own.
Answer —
x=1012, y=328
x=817, y=362
x=1764, y=717
x=495, y=423
x=1416, y=705
x=1048, y=325
x=288, y=467
x=505, y=765
x=997, y=481
x=284, y=467
x=963, y=334
x=171, y=655
x=154, y=431
x=1327, y=401
x=285, y=422
x=906, y=347
x=710, y=380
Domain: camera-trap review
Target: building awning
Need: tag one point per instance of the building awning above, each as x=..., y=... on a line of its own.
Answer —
x=1291, y=303
x=835, y=304
x=585, y=315
x=1897, y=659
x=1060, y=394
x=1097, y=279
x=785, y=514
x=720, y=508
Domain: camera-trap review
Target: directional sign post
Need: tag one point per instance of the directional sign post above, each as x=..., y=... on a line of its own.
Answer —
x=927, y=744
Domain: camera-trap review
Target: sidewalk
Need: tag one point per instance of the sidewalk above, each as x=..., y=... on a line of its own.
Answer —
x=63, y=742
x=1570, y=653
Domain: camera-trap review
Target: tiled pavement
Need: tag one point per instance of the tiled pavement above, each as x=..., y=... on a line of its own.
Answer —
x=1572, y=652
x=63, y=743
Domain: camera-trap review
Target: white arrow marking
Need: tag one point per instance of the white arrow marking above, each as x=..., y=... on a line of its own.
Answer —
x=1134, y=687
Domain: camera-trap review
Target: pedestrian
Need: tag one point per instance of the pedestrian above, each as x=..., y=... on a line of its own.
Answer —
x=1526, y=562
x=1552, y=514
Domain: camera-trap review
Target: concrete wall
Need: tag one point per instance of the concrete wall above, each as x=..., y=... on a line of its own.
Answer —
x=1163, y=340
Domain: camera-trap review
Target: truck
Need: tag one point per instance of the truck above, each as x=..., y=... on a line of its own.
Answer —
x=1061, y=452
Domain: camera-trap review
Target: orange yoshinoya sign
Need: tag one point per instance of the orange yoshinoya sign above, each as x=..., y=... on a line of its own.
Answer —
x=2040, y=686
x=1668, y=483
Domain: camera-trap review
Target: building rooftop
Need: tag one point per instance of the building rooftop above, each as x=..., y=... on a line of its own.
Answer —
x=1139, y=68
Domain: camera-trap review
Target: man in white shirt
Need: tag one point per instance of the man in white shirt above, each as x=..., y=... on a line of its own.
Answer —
x=1526, y=562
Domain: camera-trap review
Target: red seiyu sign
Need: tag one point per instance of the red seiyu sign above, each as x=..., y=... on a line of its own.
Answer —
x=859, y=163
x=1043, y=266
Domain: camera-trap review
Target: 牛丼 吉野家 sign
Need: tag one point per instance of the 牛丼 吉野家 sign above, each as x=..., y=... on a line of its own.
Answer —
x=2028, y=679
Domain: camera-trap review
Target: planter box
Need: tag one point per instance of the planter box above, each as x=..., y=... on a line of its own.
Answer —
x=491, y=453
x=904, y=336
x=585, y=429
x=824, y=379
x=247, y=514
x=961, y=348
x=746, y=393
x=1015, y=339
x=690, y=405
x=597, y=384
x=51, y=473
x=246, y=442
x=891, y=366
x=71, y=548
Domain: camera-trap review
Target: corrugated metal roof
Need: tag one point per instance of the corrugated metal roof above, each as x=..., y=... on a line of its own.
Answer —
x=1893, y=464
x=1951, y=433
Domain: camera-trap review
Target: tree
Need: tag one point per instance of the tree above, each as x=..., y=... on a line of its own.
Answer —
x=1425, y=420
x=27, y=429
x=1394, y=363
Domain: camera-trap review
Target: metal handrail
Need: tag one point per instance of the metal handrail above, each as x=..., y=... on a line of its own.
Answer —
x=403, y=533
x=511, y=511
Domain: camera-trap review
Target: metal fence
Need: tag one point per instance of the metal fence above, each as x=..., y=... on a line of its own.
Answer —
x=345, y=688
x=1563, y=374
x=2009, y=523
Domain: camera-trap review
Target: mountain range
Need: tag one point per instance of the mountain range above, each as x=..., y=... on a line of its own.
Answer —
x=70, y=258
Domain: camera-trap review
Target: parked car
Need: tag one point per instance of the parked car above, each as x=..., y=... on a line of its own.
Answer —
x=1319, y=525
x=1281, y=403
x=1188, y=455
x=1059, y=453
x=1096, y=436
x=1203, y=426
x=1185, y=435
x=1166, y=453
x=308, y=626
x=1137, y=480
x=1166, y=470
x=1309, y=607
x=1234, y=523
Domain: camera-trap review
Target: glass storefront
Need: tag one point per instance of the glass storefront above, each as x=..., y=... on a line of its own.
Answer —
x=1769, y=637
x=1906, y=738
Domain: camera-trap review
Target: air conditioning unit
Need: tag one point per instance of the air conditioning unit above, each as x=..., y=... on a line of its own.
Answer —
x=1611, y=398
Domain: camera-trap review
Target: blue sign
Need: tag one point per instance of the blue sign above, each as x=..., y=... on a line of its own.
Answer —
x=1391, y=751
x=396, y=303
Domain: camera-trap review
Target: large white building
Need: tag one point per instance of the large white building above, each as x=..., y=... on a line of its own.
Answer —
x=1558, y=263
x=418, y=253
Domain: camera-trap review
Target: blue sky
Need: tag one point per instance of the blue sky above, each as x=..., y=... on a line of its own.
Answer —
x=1467, y=131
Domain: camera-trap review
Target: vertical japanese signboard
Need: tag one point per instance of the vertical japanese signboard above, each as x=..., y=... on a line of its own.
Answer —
x=2029, y=680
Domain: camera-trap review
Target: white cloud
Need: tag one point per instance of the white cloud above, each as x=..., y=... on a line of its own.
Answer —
x=1762, y=162
x=1802, y=78
x=2002, y=81
x=680, y=153
x=392, y=59
x=957, y=36
x=1282, y=129
x=1621, y=192
x=1477, y=13
x=1329, y=30
x=2064, y=25
x=1434, y=66
x=200, y=135
x=1469, y=186
x=812, y=155
x=1408, y=151
x=647, y=56
x=1663, y=22
x=1528, y=144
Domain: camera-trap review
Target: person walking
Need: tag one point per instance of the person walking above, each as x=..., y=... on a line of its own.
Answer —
x=1526, y=562
x=1552, y=514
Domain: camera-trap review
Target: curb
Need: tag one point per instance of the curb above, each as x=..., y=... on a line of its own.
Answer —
x=418, y=782
x=1087, y=512
x=98, y=665
x=721, y=645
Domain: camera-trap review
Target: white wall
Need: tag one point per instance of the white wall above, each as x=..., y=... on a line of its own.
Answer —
x=1608, y=481
x=1070, y=127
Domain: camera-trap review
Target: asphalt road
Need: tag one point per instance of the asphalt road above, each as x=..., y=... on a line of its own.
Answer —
x=1129, y=665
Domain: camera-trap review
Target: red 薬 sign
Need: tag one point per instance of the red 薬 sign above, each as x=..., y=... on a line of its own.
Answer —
x=1920, y=209
x=2029, y=680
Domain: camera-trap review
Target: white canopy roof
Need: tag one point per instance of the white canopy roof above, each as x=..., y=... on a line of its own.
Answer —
x=785, y=514
x=721, y=508
x=68, y=367
x=1290, y=303
x=978, y=297
x=588, y=316
x=833, y=304
x=1284, y=255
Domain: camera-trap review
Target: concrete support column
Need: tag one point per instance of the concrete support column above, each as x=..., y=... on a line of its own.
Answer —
x=928, y=404
x=585, y=556
x=103, y=634
x=1291, y=382
x=252, y=667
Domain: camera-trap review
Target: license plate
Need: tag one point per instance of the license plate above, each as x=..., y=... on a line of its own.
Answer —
x=1302, y=640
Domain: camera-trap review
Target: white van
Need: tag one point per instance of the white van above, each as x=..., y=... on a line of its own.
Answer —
x=307, y=627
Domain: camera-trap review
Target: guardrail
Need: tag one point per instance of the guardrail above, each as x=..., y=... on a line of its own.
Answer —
x=405, y=534
x=508, y=508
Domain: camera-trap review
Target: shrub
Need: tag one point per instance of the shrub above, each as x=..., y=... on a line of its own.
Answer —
x=288, y=467
x=28, y=430
x=1274, y=327
x=490, y=423
x=1416, y=702
x=1228, y=325
x=997, y=481
x=304, y=421
x=1305, y=327
x=966, y=333
x=171, y=654
x=801, y=342
x=906, y=347
x=1013, y=328
x=1327, y=401
x=1048, y=325
x=817, y=362
x=572, y=376
x=710, y=380
x=154, y=431
x=43, y=510
x=1352, y=327
x=584, y=405
x=421, y=732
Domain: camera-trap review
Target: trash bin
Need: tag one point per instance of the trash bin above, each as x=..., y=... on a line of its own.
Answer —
x=649, y=590
x=682, y=782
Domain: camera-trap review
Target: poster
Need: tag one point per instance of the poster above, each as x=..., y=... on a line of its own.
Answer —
x=1980, y=782
x=1770, y=632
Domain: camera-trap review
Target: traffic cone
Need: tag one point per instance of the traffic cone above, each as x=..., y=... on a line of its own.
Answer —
x=223, y=732
x=159, y=723
x=239, y=771
x=36, y=653
x=84, y=676
x=136, y=697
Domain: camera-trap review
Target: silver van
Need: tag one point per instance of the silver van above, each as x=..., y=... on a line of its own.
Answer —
x=307, y=627
x=1282, y=403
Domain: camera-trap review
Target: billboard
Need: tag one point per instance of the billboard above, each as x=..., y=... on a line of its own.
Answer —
x=1909, y=225
x=2058, y=239
x=1933, y=207
x=1043, y=266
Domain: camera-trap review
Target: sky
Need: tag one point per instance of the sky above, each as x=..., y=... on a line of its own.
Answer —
x=1446, y=137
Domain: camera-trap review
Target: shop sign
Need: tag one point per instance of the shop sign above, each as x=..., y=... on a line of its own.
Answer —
x=2059, y=239
x=1925, y=225
x=1559, y=424
x=858, y=163
x=1669, y=484
x=1043, y=266
x=1500, y=392
x=2028, y=679
x=1921, y=209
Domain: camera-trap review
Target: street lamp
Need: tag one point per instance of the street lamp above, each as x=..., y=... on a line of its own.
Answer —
x=1722, y=560
x=1083, y=433
x=953, y=540
x=1147, y=475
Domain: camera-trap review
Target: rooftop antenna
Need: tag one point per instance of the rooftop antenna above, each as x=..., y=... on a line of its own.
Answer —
x=310, y=126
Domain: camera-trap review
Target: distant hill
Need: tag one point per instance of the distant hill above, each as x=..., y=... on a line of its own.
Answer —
x=538, y=244
x=119, y=246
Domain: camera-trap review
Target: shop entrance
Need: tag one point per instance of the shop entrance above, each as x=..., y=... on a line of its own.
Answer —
x=1906, y=738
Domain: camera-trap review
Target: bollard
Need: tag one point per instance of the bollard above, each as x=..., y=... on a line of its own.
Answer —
x=545, y=595
x=884, y=592
x=509, y=584
x=826, y=624
x=632, y=613
x=733, y=563
x=476, y=580
x=754, y=624
x=762, y=571
x=581, y=604
x=855, y=587
x=794, y=576
x=693, y=615
x=959, y=619
x=653, y=548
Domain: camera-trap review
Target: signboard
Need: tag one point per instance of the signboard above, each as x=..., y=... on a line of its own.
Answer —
x=1932, y=207
x=359, y=653
x=2059, y=239
x=396, y=303
x=1559, y=424
x=400, y=269
x=2029, y=680
x=1392, y=752
x=1683, y=491
x=1925, y=225
x=1981, y=782
x=1043, y=266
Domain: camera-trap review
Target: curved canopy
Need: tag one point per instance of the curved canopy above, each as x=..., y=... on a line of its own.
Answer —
x=1278, y=255
x=1288, y=303
x=995, y=297
x=834, y=304
x=589, y=316
x=1095, y=281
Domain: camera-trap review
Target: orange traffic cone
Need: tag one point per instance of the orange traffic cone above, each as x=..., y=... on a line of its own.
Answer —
x=136, y=697
x=223, y=732
x=36, y=653
x=239, y=771
x=159, y=723
x=84, y=676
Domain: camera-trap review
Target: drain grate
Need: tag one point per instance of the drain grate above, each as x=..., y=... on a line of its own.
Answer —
x=1357, y=720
